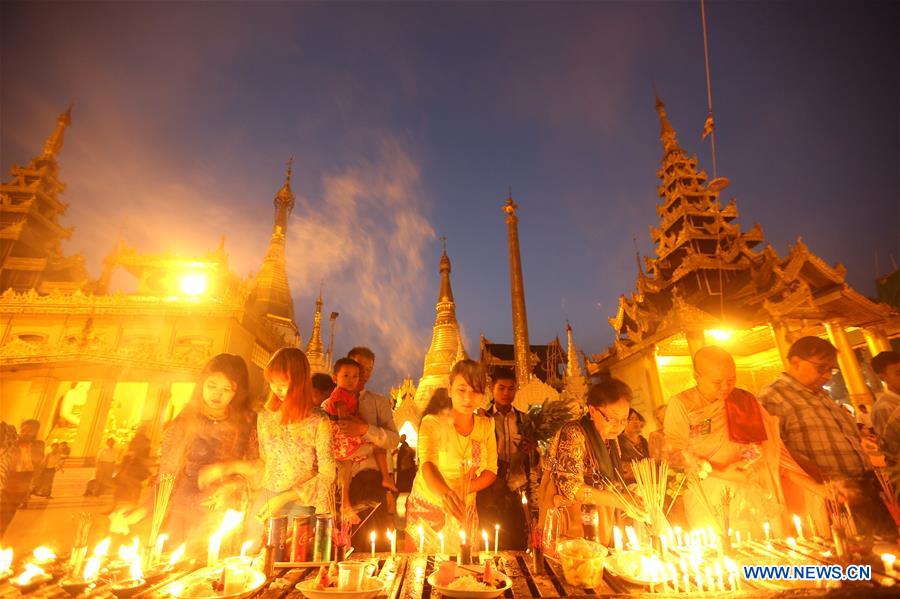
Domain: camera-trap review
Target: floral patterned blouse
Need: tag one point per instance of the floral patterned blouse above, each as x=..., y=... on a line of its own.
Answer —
x=298, y=455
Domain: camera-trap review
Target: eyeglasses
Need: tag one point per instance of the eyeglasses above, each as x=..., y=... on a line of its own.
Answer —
x=613, y=421
x=822, y=367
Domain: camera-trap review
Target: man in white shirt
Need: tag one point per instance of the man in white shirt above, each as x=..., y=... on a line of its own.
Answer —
x=376, y=425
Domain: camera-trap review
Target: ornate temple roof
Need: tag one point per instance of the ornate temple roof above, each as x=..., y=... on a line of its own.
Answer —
x=446, y=342
x=706, y=270
x=30, y=233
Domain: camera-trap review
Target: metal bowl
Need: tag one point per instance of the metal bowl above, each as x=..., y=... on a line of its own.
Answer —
x=197, y=585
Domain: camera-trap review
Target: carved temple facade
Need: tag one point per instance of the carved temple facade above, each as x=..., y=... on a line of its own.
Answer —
x=709, y=284
x=89, y=362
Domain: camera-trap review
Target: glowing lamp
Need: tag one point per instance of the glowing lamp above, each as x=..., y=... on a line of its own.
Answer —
x=721, y=335
x=194, y=283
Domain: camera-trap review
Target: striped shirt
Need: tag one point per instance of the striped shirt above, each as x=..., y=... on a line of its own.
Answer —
x=815, y=428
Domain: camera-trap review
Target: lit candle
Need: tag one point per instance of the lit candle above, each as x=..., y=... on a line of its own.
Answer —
x=484, y=538
x=176, y=555
x=158, y=547
x=766, y=530
x=719, y=572
x=246, y=547
x=421, y=539
x=888, y=560
x=617, y=539
x=664, y=543
x=731, y=582
x=811, y=525
x=707, y=573
x=496, y=537
x=632, y=538
x=212, y=554
x=699, y=581
x=372, y=539
x=441, y=539
x=798, y=526
x=673, y=576
x=678, y=539
x=392, y=535
x=687, y=583
x=737, y=537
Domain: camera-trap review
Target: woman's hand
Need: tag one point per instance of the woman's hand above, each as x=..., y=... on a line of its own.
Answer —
x=274, y=505
x=210, y=475
x=454, y=505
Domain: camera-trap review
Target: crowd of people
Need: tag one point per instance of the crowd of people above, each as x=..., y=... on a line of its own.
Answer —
x=328, y=444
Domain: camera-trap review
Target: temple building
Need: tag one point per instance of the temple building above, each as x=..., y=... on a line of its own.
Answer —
x=91, y=362
x=314, y=350
x=708, y=284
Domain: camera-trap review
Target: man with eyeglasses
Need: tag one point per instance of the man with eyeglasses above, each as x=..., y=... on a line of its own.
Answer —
x=822, y=436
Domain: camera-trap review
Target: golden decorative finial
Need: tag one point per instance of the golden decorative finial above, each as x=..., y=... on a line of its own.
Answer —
x=666, y=132
x=54, y=143
x=290, y=167
x=443, y=239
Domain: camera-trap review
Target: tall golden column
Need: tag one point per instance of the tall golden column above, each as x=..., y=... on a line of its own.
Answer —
x=517, y=291
x=853, y=378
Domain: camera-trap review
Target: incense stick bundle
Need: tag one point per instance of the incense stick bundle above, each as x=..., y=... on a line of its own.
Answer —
x=162, y=494
x=651, y=481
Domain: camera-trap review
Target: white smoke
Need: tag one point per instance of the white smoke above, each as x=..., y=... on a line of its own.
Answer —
x=365, y=239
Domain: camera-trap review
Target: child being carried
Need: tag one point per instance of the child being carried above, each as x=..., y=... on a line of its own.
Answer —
x=344, y=403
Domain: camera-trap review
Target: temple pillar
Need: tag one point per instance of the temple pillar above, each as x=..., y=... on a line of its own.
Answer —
x=652, y=372
x=876, y=340
x=696, y=340
x=780, y=334
x=850, y=369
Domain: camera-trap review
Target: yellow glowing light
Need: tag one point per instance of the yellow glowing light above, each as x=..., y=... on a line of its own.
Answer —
x=194, y=283
x=44, y=554
x=176, y=555
x=29, y=574
x=6, y=559
x=92, y=568
x=720, y=334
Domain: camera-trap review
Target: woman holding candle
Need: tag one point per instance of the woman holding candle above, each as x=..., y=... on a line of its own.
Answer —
x=458, y=457
x=216, y=426
x=584, y=458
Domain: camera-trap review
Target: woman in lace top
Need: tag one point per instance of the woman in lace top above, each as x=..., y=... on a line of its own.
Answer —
x=217, y=426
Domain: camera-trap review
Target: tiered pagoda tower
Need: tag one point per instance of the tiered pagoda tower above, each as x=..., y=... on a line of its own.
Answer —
x=270, y=294
x=707, y=284
x=575, y=388
x=31, y=236
x=446, y=342
x=314, y=351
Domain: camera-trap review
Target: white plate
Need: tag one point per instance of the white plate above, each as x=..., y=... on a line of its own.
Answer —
x=460, y=594
x=308, y=588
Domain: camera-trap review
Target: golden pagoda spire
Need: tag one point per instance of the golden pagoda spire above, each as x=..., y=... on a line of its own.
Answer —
x=571, y=353
x=446, y=342
x=314, y=351
x=517, y=291
x=270, y=293
x=576, y=385
x=666, y=131
x=54, y=143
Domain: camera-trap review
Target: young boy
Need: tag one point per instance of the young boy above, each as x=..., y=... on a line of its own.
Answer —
x=344, y=403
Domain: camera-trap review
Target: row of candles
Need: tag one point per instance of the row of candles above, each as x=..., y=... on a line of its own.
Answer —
x=485, y=547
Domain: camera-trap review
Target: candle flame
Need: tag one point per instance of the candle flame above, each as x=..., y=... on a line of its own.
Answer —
x=632, y=538
x=128, y=553
x=230, y=521
x=484, y=537
x=372, y=536
x=135, y=570
x=44, y=554
x=102, y=548
x=91, y=568
x=462, y=537
x=246, y=547
x=6, y=559
x=496, y=527
x=176, y=555
x=29, y=574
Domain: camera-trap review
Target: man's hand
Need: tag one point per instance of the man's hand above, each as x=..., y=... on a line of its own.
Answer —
x=353, y=427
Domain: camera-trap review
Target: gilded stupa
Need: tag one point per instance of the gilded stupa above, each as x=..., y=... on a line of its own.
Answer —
x=575, y=387
x=270, y=294
x=707, y=284
x=446, y=342
x=314, y=350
